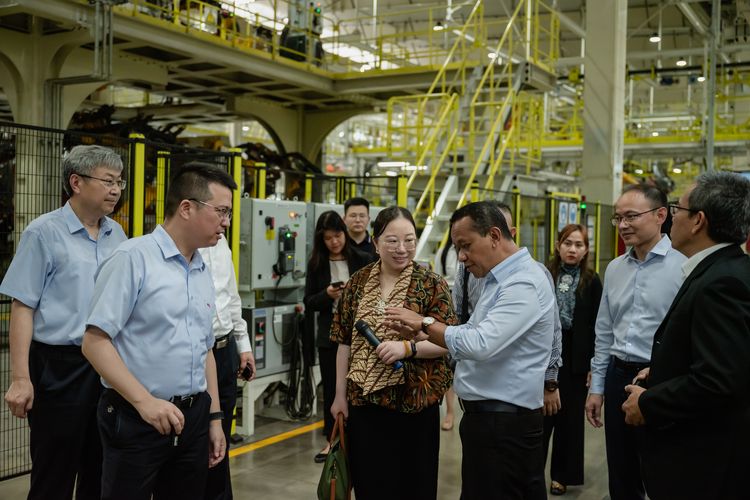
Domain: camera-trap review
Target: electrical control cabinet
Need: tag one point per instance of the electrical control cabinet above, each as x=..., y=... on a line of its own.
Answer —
x=272, y=245
x=272, y=332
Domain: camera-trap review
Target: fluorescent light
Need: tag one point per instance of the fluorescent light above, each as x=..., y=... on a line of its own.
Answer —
x=245, y=128
x=681, y=62
x=655, y=134
x=701, y=79
x=638, y=171
x=654, y=38
x=391, y=164
x=391, y=173
x=677, y=170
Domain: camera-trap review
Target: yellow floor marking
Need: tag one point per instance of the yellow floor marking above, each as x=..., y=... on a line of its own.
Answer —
x=275, y=439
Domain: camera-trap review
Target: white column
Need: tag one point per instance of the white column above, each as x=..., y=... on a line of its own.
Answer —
x=604, y=99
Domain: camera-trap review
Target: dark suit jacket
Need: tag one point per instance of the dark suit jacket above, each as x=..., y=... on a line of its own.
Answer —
x=697, y=437
x=317, y=300
x=578, y=343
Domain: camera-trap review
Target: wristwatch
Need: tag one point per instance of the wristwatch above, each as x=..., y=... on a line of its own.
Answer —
x=550, y=385
x=426, y=322
x=217, y=415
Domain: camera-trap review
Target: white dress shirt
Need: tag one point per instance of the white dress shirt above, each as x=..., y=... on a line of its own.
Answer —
x=228, y=317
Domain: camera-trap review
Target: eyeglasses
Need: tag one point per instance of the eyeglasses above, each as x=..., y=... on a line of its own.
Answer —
x=109, y=183
x=222, y=212
x=393, y=245
x=630, y=218
x=674, y=208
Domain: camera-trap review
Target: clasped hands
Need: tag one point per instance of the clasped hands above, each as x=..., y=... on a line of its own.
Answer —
x=633, y=415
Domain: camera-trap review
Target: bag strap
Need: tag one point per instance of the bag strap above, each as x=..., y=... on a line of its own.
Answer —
x=338, y=431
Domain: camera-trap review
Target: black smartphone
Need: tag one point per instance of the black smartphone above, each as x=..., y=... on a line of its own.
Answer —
x=246, y=372
x=337, y=284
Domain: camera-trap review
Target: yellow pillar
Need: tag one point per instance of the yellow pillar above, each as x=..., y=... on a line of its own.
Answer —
x=474, y=191
x=552, y=232
x=235, y=169
x=308, y=187
x=517, y=213
x=401, y=192
x=138, y=158
x=162, y=162
x=260, y=181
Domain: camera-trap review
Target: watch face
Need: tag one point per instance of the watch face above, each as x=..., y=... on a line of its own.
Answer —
x=428, y=320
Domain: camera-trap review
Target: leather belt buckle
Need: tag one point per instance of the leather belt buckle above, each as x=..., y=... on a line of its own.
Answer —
x=221, y=342
x=183, y=401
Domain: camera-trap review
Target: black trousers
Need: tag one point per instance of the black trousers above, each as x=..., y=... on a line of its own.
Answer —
x=139, y=462
x=327, y=360
x=64, y=441
x=386, y=444
x=566, y=466
x=623, y=462
x=502, y=456
x=219, y=481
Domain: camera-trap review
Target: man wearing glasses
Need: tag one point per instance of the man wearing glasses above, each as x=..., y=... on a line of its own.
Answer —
x=639, y=286
x=149, y=336
x=696, y=439
x=357, y=218
x=51, y=281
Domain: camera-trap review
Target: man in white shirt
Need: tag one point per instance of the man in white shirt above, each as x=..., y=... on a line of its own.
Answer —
x=230, y=331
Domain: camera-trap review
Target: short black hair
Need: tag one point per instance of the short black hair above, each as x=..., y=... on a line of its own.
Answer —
x=725, y=199
x=356, y=202
x=192, y=181
x=388, y=215
x=484, y=215
x=656, y=196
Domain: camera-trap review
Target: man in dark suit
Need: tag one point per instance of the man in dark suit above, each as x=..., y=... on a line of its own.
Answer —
x=695, y=409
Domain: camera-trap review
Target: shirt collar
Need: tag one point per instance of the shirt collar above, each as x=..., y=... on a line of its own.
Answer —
x=74, y=223
x=661, y=248
x=169, y=249
x=689, y=265
x=505, y=268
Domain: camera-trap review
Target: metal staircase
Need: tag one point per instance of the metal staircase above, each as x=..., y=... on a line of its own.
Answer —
x=456, y=140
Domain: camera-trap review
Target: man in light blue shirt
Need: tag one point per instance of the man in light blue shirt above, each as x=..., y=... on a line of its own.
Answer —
x=639, y=286
x=149, y=335
x=502, y=354
x=51, y=280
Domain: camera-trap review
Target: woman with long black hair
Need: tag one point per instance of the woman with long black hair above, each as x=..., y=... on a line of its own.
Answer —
x=332, y=261
x=578, y=290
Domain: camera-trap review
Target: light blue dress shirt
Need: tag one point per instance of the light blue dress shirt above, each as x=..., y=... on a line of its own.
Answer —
x=53, y=272
x=157, y=308
x=504, y=349
x=635, y=299
x=476, y=285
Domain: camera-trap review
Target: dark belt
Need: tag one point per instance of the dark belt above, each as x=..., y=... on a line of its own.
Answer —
x=221, y=342
x=183, y=402
x=180, y=402
x=58, y=351
x=493, y=406
x=629, y=365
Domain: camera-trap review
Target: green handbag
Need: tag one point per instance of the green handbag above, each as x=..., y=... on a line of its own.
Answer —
x=335, y=483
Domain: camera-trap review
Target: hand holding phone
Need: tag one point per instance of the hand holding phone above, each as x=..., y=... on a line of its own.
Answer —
x=247, y=372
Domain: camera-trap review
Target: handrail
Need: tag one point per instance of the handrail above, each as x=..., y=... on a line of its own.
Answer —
x=431, y=182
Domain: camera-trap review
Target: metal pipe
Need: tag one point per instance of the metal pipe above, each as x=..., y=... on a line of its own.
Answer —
x=713, y=54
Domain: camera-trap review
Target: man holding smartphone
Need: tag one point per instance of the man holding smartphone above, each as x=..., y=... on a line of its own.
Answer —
x=232, y=351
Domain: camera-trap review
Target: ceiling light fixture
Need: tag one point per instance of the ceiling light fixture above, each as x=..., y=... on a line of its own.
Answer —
x=438, y=26
x=654, y=38
x=677, y=170
x=654, y=134
x=681, y=62
x=638, y=171
x=701, y=79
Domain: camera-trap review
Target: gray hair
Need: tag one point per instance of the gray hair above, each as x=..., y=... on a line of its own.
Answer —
x=725, y=199
x=85, y=159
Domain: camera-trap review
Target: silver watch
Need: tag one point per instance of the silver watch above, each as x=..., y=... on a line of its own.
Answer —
x=427, y=321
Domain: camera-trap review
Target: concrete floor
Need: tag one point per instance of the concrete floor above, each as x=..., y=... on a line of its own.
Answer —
x=286, y=469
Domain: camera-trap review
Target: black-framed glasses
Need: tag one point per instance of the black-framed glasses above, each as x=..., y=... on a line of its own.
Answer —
x=110, y=183
x=223, y=212
x=630, y=218
x=674, y=208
